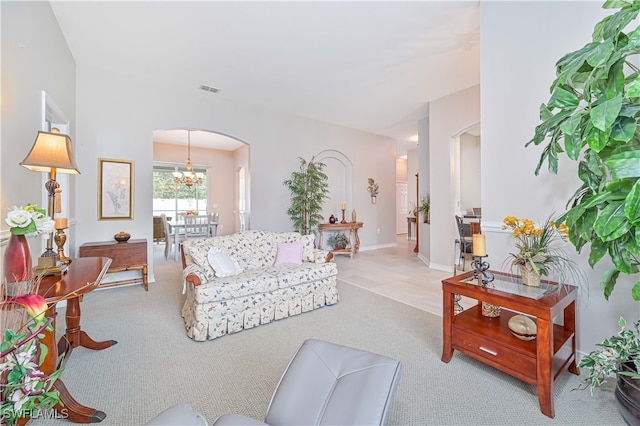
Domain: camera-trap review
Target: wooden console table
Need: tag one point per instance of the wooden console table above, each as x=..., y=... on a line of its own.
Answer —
x=82, y=276
x=354, y=240
x=126, y=256
x=538, y=362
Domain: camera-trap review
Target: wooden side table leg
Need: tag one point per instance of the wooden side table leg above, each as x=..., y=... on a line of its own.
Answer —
x=75, y=335
x=447, y=315
x=357, y=241
x=73, y=410
x=145, y=277
x=544, y=345
x=570, y=324
x=352, y=248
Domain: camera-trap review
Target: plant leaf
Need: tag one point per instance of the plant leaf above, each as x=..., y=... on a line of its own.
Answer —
x=624, y=164
x=633, y=91
x=608, y=281
x=572, y=146
x=623, y=129
x=598, y=250
x=563, y=99
x=620, y=257
x=597, y=139
x=632, y=204
x=611, y=222
x=569, y=126
x=600, y=53
x=615, y=81
x=604, y=114
x=635, y=291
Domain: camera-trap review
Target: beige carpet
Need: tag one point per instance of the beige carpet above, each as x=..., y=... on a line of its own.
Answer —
x=154, y=365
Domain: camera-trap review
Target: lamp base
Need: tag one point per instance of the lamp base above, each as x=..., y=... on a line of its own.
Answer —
x=54, y=270
x=49, y=266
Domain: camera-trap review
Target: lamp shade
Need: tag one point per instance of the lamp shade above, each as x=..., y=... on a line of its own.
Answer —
x=51, y=151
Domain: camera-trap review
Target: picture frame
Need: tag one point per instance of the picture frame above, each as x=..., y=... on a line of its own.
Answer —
x=115, y=189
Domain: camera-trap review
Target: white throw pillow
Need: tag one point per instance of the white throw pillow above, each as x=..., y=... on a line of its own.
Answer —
x=223, y=264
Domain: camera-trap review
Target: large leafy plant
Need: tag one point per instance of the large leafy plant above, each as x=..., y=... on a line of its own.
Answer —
x=309, y=187
x=592, y=117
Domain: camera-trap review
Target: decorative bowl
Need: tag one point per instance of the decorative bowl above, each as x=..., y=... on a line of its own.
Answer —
x=122, y=237
x=523, y=327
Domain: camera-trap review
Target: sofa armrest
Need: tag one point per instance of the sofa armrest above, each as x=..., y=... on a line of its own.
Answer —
x=194, y=278
x=191, y=273
x=322, y=256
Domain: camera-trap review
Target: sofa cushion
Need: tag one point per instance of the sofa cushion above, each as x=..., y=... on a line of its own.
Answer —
x=237, y=286
x=290, y=275
x=289, y=254
x=223, y=264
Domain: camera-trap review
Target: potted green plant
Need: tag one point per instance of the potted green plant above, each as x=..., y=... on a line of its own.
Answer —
x=425, y=206
x=619, y=355
x=591, y=117
x=338, y=241
x=309, y=187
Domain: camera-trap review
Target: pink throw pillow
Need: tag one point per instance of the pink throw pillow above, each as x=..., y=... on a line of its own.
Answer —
x=289, y=254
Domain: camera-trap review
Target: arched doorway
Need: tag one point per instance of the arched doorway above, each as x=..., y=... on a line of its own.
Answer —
x=220, y=156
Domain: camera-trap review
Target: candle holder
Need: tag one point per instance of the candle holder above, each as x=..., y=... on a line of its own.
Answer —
x=343, y=219
x=60, y=238
x=480, y=271
x=484, y=280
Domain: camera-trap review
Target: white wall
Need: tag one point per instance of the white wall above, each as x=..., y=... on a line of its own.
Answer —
x=448, y=117
x=521, y=41
x=35, y=57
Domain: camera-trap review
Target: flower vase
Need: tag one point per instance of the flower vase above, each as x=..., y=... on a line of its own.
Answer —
x=530, y=277
x=17, y=266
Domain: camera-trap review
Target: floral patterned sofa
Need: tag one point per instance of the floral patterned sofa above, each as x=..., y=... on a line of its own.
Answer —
x=264, y=290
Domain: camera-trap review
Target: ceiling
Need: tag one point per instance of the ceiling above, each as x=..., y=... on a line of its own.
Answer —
x=371, y=66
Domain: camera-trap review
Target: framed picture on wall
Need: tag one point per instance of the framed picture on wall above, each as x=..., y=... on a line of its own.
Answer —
x=115, y=189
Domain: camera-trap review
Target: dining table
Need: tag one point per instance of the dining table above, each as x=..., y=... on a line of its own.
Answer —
x=177, y=230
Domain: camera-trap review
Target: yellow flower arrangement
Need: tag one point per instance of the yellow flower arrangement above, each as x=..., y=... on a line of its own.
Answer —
x=535, y=244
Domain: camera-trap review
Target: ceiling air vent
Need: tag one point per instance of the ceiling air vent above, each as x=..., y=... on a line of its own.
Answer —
x=208, y=88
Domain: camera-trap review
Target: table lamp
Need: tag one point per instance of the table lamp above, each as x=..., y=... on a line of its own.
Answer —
x=51, y=152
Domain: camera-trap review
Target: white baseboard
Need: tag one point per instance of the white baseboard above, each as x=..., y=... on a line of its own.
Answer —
x=378, y=247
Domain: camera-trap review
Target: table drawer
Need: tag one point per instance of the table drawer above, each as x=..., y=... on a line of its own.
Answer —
x=495, y=354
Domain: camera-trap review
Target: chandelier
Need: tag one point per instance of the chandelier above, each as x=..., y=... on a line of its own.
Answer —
x=188, y=177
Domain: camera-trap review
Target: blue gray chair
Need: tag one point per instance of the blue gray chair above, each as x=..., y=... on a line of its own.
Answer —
x=325, y=384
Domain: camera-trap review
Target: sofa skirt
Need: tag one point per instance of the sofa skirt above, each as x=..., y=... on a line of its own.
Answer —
x=212, y=320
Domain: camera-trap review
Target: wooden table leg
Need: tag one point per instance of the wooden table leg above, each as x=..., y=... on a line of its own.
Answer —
x=447, y=315
x=73, y=410
x=570, y=324
x=544, y=345
x=69, y=407
x=145, y=277
x=75, y=335
x=352, y=245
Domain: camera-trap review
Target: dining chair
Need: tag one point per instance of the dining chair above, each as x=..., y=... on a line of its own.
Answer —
x=172, y=237
x=213, y=224
x=196, y=226
x=465, y=241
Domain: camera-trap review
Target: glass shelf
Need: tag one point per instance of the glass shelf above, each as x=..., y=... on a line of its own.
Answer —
x=513, y=285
